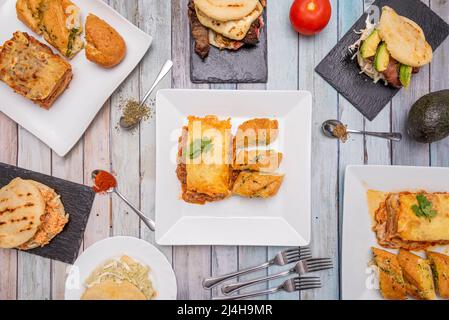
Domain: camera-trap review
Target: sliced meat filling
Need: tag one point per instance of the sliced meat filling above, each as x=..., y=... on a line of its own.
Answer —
x=199, y=32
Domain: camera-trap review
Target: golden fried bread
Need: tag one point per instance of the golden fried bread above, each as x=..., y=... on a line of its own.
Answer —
x=417, y=274
x=257, y=185
x=391, y=280
x=440, y=268
x=33, y=70
x=104, y=45
x=256, y=132
x=267, y=161
x=57, y=20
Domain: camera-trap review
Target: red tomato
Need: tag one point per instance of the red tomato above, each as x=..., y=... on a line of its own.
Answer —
x=309, y=17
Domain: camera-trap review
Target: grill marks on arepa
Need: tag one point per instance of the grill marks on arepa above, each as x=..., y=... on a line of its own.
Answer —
x=31, y=214
x=21, y=207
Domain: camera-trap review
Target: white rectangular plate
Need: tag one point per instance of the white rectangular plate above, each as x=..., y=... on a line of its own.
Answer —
x=283, y=220
x=64, y=124
x=359, y=281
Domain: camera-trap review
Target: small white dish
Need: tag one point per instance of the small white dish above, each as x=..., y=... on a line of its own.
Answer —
x=284, y=220
x=359, y=280
x=161, y=272
x=64, y=124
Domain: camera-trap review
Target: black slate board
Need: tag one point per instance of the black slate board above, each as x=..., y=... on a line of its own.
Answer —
x=249, y=64
x=77, y=200
x=342, y=73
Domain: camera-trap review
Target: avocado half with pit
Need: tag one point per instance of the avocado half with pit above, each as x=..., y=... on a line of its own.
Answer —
x=428, y=120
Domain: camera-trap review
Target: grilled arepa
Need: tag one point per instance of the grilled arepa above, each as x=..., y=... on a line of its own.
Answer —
x=225, y=10
x=32, y=70
x=417, y=274
x=440, y=267
x=104, y=45
x=21, y=208
x=391, y=280
x=52, y=221
x=57, y=20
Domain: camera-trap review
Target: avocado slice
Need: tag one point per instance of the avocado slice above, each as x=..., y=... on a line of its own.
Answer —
x=428, y=120
x=382, y=58
x=369, y=46
x=405, y=75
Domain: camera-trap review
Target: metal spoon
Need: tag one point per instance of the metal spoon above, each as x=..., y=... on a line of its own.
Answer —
x=164, y=70
x=329, y=126
x=150, y=223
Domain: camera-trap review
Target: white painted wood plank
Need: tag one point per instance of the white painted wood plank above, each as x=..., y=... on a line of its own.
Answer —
x=34, y=280
x=409, y=152
x=439, y=80
x=155, y=19
x=97, y=156
x=191, y=263
x=8, y=258
x=125, y=146
x=69, y=168
x=282, y=75
x=324, y=155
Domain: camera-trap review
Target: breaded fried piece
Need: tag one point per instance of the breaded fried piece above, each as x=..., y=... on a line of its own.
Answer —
x=440, y=268
x=256, y=132
x=392, y=285
x=104, y=45
x=257, y=185
x=417, y=274
x=257, y=160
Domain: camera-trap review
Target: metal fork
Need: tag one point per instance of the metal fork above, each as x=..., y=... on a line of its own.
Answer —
x=290, y=285
x=281, y=259
x=301, y=268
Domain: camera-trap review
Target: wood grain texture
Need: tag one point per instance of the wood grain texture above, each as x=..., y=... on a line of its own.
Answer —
x=125, y=146
x=283, y=75
x=324, y=155
x=154, y=19
x=439, y=80
x=33, y=272
x=8, y=258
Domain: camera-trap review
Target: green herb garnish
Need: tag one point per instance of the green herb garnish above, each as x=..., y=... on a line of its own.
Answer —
x=424, y=208
x=199, y=146
x=72, y=36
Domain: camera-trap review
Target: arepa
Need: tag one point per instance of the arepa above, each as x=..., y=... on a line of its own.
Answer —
x=53, y=220
x=21, y=208
x=225, y=10
x=404, y=38
x=111, y=290
x=234, y=29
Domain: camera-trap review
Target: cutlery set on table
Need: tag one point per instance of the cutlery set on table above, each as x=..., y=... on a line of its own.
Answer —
x=303, y=262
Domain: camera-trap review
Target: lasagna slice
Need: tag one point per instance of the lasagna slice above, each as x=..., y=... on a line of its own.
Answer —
x=204, y=160
x=33, y=70
x=398, y=224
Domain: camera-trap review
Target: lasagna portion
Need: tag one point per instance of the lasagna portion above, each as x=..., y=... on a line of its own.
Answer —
x=204, y=160
x=412, y=221
x=33, y=70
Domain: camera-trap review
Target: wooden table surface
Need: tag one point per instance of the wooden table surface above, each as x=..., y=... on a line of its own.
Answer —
x=291, y=61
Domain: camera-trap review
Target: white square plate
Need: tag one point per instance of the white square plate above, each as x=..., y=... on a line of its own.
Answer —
x=283, y=220
x=359, y=281
x=63, y=125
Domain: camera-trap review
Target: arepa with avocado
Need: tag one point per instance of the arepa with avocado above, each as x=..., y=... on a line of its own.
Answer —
x=392, y=50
